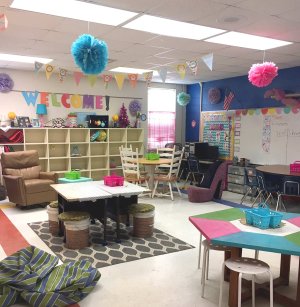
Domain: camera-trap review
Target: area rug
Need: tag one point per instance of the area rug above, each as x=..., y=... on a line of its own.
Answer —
x=130, y=248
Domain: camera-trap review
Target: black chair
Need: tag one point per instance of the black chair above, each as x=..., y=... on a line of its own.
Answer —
x=252, y=185
x=178, y=146
x=290, y=187
x=193, y=170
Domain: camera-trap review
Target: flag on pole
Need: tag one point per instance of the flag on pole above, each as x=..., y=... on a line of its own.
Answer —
x=229, y=95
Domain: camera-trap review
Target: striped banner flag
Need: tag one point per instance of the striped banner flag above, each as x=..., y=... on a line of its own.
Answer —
x=229, y=95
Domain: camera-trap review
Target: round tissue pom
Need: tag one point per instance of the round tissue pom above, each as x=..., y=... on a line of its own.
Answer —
x=90, y=54
x=261, y=75
x=134, y=107
x=6, y=83
x=183, y=99
x=214, y=95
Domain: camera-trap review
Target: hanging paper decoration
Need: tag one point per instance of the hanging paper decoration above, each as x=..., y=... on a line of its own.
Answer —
x=92, y=79
x=214, y=95
x=193, y=66
x=49, y=71
x=6, y=83
x=181, y=69
x=3, y=22
x=133, y=79
x=90, y=54
x=148, y=77
x=134, y=107
x=163, y=74
x=77, y=76
x=208, y=60
x=62, y=74
x=106, y=80
x=107, y=98
x=261, y=75
x=37, y=66
x=120, y=80
x=183, y=99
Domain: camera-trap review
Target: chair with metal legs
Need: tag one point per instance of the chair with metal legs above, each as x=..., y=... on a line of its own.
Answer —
x=252, y=186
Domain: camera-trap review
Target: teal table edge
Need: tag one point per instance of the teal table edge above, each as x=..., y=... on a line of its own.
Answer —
x=81, y=179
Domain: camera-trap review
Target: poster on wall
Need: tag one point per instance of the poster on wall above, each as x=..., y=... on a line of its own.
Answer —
x=217, y=130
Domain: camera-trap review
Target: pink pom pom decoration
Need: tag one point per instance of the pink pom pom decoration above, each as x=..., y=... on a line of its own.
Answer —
x=263, y=74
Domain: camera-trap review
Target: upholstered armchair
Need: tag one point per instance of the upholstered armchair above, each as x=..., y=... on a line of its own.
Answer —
x=26, y=184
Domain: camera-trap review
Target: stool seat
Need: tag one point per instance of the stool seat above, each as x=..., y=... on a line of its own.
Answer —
x=247, y=265
x=53, y=204
x=141, y=208
x=73, y=216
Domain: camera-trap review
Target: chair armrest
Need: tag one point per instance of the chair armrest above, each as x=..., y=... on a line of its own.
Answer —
x=49, y=175
x=15, y=188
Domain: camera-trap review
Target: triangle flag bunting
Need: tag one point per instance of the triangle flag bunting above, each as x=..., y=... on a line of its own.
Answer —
x=163, y=74
x=133, y=79
x=193, y=66
x=49, y=71
x=62, y=74
x=77, y=76
x=208, y=60
x=120, y=80
x=106, y=80
x=181, y=69
x=3, y=22
x=37, y=66
x=148, y=77
x=92, y=79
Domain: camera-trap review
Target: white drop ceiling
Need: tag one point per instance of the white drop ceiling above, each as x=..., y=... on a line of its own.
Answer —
x=42, y=35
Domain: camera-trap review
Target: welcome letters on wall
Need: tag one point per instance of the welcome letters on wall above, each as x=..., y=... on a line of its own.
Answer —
x=64, y=100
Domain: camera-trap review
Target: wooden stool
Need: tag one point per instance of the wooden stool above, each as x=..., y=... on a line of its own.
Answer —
x=76, y=225
x=52, y=210
x=250, y=266
x=143, y=220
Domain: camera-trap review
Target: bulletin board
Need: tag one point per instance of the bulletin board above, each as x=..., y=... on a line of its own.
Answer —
x=217, y=130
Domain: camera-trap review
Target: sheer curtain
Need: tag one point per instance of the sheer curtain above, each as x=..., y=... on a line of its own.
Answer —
x=161, y=117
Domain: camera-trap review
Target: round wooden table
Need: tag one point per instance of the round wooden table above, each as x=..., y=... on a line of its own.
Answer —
x=152, y=164
x=277, y=169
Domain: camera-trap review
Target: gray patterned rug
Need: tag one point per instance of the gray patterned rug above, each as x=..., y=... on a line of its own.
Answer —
x=130, y=248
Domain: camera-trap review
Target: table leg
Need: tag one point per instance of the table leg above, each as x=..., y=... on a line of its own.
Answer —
x=285, y=264
x=118, y=240
x=105, y=223
x=60, y=210
x=233, y=285
x=151, y=176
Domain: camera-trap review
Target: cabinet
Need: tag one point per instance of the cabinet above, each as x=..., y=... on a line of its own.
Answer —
x=236, y=178
x=63, y=149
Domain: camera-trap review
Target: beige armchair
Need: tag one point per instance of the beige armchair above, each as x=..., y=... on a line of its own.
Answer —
x=26, y=184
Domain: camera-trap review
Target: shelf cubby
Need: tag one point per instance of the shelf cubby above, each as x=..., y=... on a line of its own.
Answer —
x=58, y=135
x=79, y=135
x=135, y=134
x=35, y=135
x=114, y=148
x=82, y=149
x=42, y=149
x=98, y=149
x=117, y=135
x=58, y=150
x=99, y=163
x=79, y=163
x=98, y=175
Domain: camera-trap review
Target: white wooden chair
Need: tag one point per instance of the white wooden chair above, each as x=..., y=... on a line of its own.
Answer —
x=170, y=176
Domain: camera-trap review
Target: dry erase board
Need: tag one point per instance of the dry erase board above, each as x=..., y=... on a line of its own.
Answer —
x=269, y=138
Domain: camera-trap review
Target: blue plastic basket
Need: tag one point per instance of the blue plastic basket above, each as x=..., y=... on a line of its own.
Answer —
x=261, y=220
x=275, y=219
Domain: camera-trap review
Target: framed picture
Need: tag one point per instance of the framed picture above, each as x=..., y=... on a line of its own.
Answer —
x=23, y=121
x=35, y=122
x=98, y=121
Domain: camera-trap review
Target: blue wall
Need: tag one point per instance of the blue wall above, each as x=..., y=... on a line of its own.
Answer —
x=247, y=96
x=193, y=113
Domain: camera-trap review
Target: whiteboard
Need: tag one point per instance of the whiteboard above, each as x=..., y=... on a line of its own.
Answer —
x=268, y=139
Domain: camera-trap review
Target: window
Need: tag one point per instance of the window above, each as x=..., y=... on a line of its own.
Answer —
x=161, y=117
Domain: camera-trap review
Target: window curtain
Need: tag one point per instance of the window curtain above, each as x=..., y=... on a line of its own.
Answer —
x=161, y=129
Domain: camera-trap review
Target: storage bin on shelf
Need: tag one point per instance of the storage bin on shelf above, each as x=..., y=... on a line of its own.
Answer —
x=262, y=217
x=143, y=219
x=52, y=210
x=76, y=225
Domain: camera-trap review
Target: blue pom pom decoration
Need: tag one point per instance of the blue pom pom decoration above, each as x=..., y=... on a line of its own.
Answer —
x=90, y=54
x=183, y=99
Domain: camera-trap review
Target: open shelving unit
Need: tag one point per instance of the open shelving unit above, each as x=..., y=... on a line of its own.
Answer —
x=63, y=149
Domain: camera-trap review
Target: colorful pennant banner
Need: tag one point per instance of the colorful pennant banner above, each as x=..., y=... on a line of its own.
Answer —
x=120, y=80
x=77, y=76
x=106, y=80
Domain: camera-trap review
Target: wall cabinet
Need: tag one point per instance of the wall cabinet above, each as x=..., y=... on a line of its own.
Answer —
x=236, y=178
x=64, y=149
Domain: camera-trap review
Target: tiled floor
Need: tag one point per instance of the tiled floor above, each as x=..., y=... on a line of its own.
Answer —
x=162, y=281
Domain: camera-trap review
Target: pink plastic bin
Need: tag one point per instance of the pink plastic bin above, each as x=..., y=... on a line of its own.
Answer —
x=295, y=167
x=113, y=180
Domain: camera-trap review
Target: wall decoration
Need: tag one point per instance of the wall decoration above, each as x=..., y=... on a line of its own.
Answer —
x=181, y=69
x=120, y=80
x=208, y=60
x=123, y=117
x=148, y=77
x=37, y=66
x=133, y=79
x=6, y=83
x=49, y=71
x=3, y=22
x=261, y=75
x=290, y=100
x=163, y=74
x=35, y=122
x=90, y=54
x=143, y=117
x=23, y=121
x=237, y=133
x=193, y=123
x=193, y=66
x=134, y=107
x=98, y=121
x=77, y=76
x=214, y=95
x=183, y=99
x=237, y=125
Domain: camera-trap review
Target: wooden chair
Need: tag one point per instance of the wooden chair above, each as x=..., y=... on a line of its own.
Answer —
x=170, y=176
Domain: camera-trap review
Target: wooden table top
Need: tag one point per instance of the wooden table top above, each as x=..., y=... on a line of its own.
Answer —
x=154, y=162
x=277, y=169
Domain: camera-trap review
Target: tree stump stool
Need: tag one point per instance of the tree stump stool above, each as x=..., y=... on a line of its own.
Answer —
x=143, y=219
x=76, y=225
x=52, y=210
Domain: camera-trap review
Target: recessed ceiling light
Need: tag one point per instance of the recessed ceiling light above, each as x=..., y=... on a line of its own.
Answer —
x=23, y=59
x=76, y=10
x=170, y=27
x=129, y=70
x=247, y=41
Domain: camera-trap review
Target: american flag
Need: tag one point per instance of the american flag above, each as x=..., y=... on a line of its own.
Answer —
x=229, y=95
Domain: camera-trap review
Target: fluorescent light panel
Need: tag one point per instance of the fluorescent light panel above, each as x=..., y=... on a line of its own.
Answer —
x=75, y=9
x=247, y=41
x=170, y=27
x=22, y=58
x=129, y=70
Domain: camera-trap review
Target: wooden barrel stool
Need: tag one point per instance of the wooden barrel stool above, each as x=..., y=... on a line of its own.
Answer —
x=52, y=210
x=143, y=219
x=76, y=225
